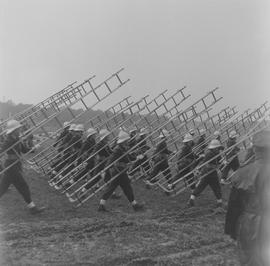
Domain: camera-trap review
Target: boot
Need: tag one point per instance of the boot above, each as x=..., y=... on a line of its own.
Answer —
x=101, y=208
x=35, y=210
x=171, y=186
x=137, y=207
x=191, y=203
x=219, y=205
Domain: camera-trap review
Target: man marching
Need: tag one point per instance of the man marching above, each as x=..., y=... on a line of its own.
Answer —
x=209, y=174
x=231, y=156
x=186, y=161
x=13, y=175
x=120, y=160
x=142, y=162
x=161, y=159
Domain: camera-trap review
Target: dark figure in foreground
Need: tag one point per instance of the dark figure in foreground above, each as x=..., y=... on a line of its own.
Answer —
x=248, y=215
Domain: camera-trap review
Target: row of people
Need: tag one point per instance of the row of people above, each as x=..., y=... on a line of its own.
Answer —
x=187, y=160
x=74, y=150
x=247, y=218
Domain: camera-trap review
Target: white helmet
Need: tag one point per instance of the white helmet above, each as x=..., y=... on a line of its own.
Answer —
x=12, y=125
x=66, y=124
x=188, y=137
x=214, y=144
x=217, y=133
x=202, y=131
x=143, y=132
x=90, y=132
x=72, y=127
x=134, y=129
x=233, y=134
x=191, y=132
x=122, y=136
x=164, y=133
x=79, y=127
x=104, y=133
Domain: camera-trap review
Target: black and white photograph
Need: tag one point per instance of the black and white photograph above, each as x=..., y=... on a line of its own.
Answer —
x=134, y=132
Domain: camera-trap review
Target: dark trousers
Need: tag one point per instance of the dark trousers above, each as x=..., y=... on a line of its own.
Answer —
x=213, y=181
x=234, y=165
x=162, y=166
x=13, y=176
x=189, y=179
x=122, y=181
x=99, y=167
x=90, y=165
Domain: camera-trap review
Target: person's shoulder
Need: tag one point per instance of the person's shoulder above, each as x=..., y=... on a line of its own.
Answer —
x=245, y=177
x=116, y=149
x=208, y=154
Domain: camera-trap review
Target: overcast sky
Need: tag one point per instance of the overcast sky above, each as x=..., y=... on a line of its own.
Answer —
x=162, y=44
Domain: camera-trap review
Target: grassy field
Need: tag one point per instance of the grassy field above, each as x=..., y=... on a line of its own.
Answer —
x=166, y=233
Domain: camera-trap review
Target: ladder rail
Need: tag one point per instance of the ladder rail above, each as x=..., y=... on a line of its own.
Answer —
x=41, y=125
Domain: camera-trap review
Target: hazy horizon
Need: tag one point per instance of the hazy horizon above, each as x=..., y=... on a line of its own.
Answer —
x=46, y=45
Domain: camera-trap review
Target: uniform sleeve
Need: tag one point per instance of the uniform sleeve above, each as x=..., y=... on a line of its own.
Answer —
x=116, y=153
x=24, y=148
x=59, y=139
x=165, y=149
x=234, y=211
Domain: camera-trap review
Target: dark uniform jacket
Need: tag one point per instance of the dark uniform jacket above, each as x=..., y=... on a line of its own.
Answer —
x=186, y=157
x=103, y=150
x=212, y=162
x=88, y=146
x=13, y=154
x=232, y=151
x=67, y=139
x=201, y=144
x=250, y=153
x=247, y=218
x=60, y=139
x=132, y=143
x=120, y=165
x=142, y=147
x=87, y=149
x=75, y=143
x=161, y=152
